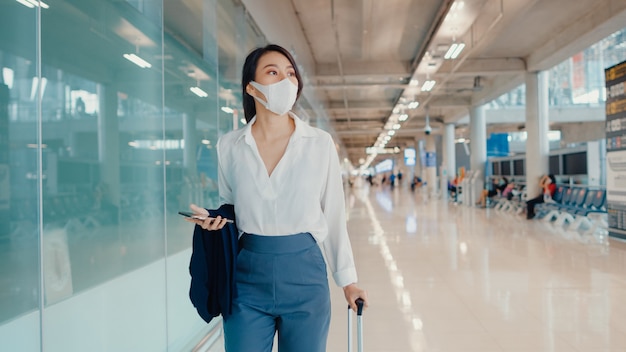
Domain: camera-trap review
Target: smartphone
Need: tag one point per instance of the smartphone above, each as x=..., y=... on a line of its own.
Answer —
x=193, y=215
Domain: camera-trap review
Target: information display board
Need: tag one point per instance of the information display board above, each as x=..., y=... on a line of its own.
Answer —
x=616, y=148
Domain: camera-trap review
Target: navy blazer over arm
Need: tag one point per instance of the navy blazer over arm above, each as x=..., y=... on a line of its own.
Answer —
x=212, y=266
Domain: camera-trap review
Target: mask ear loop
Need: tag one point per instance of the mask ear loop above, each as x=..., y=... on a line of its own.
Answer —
x=252, y=87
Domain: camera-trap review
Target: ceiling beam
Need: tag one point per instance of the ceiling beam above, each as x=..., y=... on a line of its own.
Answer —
x=383, y=105
x=360, y=70
x=449, y=101
x=483, y=67
x=361, y=85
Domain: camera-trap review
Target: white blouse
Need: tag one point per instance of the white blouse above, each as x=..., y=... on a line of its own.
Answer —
x=303, y=194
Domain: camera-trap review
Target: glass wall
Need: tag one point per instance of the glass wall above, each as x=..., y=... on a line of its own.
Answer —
x=578, y=80
x=20, y=181
x=109, y=113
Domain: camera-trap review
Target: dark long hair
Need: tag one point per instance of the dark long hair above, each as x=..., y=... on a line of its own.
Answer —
x=249, y=71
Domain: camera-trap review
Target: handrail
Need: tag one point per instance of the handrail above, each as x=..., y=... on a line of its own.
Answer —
x=213, y=334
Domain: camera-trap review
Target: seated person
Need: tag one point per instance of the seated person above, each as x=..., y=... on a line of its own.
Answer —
x=548, y=187
x=417, y=182
x=452, y=186
x=507, y=192
x=497, y=186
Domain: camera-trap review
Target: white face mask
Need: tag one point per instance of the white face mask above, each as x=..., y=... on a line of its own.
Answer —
x=280, y=96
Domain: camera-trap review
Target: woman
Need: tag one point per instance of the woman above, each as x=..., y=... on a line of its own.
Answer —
x=497, y=187
x=548, y=187
x=284, y=179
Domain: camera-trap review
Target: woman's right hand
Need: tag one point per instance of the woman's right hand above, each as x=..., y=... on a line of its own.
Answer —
x=210, y=224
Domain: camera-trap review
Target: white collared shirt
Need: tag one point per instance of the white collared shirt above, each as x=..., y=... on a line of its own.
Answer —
x=303, y=194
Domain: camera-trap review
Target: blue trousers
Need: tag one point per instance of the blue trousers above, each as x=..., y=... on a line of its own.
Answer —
x=282, y=288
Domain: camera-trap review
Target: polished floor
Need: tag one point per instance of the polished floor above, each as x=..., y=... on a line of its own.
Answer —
x=443, y=277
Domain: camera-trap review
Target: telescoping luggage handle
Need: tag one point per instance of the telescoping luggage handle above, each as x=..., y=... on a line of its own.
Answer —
x=359, y=326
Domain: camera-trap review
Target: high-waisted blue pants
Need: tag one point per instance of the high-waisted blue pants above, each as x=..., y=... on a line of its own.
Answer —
x=281, y=287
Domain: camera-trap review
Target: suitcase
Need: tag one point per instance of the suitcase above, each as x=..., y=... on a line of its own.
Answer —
x=359, y=326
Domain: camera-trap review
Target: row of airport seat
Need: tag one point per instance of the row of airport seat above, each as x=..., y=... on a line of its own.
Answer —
x=577, y=207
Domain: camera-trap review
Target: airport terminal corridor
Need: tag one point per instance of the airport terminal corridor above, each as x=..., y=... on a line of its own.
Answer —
x=443, y=277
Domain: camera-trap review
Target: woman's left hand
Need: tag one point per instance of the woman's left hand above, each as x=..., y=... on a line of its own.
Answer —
x=352, y=292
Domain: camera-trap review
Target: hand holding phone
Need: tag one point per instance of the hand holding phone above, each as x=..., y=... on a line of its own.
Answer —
x=197, y=216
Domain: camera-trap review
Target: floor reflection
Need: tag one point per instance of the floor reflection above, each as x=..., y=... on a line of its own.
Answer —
x=445, y=277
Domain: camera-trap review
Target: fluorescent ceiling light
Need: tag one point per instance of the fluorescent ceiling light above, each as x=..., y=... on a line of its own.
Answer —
x=454, y=51
x=227, y=110
x=414, y=105
x=414, y=83
x=243, y=121
x=32, y=3
x=137, y=60
x=403, y=117
x=199, y=92
x=391, y=132
x=458, y=50
x=39, y=3
x=396, y=126
x=206, y=141
x=25, y=3
x=428, y=85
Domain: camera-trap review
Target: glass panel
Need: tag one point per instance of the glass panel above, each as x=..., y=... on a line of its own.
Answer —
x=191, y=100
x=103, y=197
x=579, y=80
x=19, y=179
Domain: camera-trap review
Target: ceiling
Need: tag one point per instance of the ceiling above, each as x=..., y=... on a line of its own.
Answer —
x=365, y=61
x=369, y=57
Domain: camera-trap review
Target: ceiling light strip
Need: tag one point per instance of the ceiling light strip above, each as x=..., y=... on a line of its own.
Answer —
x=199, y=92
x=137, y=60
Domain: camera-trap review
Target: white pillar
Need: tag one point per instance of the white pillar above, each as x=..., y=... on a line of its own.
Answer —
x=449, y=151
x=594, y=162
x=417, y=170
x=537, y=127
x=478, y=144
x=431, y=164
x=109, y=142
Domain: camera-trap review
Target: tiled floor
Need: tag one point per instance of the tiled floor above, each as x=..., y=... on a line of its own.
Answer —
x=449, y=278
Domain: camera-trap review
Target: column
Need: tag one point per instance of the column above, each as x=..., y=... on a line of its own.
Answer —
x=417, y=169
x=431, y=164
x=537, y=127
x=595, y=158
x=108, y=142
x=449, y=151
x=478, y=149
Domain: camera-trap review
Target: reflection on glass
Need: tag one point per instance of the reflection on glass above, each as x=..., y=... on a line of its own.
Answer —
x=19, y=173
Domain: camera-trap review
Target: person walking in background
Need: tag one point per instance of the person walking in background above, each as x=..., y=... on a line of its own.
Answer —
x=284, y=179
x=548, y=187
